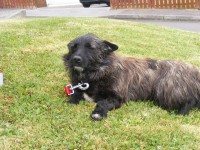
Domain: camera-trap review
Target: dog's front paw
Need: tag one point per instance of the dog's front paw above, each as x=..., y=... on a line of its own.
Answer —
x=98, y=115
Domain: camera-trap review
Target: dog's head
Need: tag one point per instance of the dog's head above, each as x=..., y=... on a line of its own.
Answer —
x=88, y=52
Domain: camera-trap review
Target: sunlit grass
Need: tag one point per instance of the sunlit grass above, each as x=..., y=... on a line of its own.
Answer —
x=33, y=114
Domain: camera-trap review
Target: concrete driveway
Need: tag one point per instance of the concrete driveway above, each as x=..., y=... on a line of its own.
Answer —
x=70, y=11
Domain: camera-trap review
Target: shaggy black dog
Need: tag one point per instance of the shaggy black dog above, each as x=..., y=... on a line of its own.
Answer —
x=113, y=80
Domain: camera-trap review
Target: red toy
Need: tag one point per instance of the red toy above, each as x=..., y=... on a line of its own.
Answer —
x=69, y=89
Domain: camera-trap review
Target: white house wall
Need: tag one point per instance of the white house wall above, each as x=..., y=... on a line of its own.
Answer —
x=61, y=2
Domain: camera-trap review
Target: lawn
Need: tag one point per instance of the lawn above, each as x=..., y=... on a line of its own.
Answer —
x=33, y=112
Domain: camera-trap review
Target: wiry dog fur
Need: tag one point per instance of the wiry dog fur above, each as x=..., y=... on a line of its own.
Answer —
x=113, y=80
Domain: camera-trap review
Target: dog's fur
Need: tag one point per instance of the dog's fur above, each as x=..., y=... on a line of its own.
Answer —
x=113, y=80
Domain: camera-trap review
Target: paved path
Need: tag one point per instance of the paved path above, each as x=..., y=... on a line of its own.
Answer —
x=193, y=26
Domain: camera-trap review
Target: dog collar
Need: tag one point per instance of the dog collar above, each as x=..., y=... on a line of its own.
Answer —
x=69, y=89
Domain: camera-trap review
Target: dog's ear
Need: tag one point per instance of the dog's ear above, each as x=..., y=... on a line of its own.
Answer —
x=69, y=45
x=111, y=47
x=66, y=56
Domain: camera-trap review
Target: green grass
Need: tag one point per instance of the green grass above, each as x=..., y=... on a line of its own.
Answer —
x=33, y=114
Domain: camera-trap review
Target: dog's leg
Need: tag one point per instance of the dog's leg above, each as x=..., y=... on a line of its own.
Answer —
x=76, y=97
x=103, y=107
x=184, y=110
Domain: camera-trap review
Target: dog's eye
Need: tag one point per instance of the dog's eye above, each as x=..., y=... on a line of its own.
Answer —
x=74, y=47
x=88, y=45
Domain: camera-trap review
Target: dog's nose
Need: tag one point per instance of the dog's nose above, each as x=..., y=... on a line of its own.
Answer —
x=77, y=59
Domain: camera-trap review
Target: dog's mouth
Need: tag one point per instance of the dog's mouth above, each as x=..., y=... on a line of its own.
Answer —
x=78, y=68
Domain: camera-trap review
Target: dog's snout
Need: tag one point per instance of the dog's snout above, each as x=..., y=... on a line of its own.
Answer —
x=77, y=59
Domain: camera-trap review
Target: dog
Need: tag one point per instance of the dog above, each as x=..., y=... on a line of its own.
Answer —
x=113, y=80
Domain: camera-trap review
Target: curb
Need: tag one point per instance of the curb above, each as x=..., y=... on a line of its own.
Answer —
x=18, y=14
x=154, y=17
